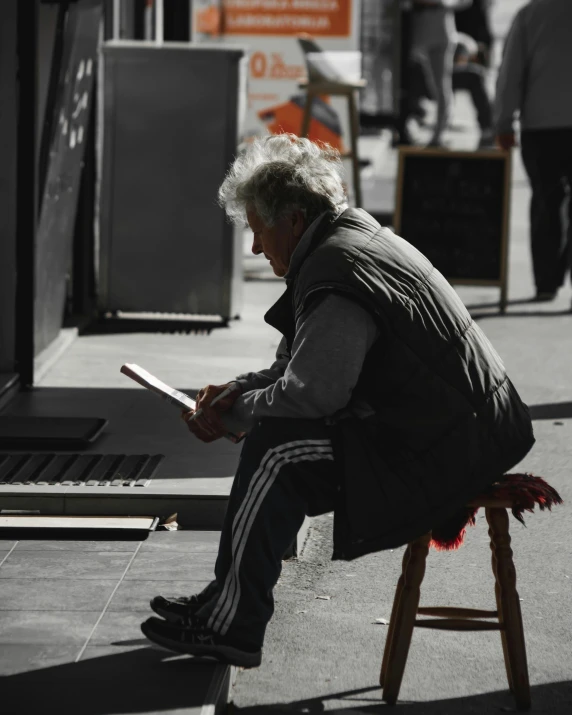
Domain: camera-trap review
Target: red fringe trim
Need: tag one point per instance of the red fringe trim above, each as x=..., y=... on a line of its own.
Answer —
x=523, y=490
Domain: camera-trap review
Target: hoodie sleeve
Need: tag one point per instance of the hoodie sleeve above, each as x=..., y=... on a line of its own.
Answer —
x=328, y=352
x=511, y=78
x=264, y=378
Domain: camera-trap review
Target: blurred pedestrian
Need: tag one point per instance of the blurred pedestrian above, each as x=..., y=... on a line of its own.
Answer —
x=433, y=38
x=533, y=82
x=475, y=21
x=403, y=109
x=469, y=75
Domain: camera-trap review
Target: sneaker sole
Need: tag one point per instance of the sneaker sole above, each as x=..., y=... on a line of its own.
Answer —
x=222, y=653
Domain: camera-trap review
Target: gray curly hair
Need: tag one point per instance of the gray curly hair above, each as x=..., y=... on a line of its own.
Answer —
x=280, y=173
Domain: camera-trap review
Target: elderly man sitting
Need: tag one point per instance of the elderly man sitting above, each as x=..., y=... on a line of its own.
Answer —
x=386, y=403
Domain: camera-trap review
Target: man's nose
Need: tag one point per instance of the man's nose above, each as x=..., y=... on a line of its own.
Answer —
x=256, y=247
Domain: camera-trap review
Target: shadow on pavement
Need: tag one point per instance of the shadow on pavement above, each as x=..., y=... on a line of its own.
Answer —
x=144, y=680
x=495, y=305
x=553, y=411
x=553, y=698
x=522, y=314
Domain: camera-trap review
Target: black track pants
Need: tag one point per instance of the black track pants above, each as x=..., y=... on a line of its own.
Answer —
x=286, y=471
x=547, y=157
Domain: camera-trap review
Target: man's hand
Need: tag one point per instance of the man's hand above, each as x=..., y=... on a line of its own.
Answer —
x=208, y=426
x=506, y=141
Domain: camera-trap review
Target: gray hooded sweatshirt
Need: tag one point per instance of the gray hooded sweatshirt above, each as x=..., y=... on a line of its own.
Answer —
x=534, y=77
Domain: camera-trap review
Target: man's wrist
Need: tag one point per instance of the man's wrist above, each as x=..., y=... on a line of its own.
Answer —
x=242, y=385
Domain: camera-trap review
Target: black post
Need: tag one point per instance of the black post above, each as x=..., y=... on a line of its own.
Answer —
x=176, y=20
x=107, y=19
x=48, y=125
x=83, y=268
x=404, y=99
x=27, y=193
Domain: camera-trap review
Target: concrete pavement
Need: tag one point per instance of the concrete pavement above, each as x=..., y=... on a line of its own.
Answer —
x=75, y=646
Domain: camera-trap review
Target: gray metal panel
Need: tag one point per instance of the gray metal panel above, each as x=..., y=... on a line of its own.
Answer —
x=170, y=133
x=8, y=179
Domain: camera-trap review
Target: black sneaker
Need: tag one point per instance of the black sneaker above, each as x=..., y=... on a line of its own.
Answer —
x=200, y=641
x=545, y=296
x=177, y=610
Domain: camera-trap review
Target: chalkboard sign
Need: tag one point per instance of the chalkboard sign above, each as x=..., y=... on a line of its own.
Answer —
x=454, y=207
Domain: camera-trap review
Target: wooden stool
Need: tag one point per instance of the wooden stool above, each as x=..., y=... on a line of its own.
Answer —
x=508, y=618
x=315, y=88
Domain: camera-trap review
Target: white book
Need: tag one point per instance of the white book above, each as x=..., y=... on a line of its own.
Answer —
x=175, y=397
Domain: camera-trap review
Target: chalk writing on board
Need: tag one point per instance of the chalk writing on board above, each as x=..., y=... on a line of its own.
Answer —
x=452, y=210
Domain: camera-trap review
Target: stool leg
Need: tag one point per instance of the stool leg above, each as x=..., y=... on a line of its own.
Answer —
x=307, y=116
x=510, y=615
x=499, y=607
x=391, y=628
x=405, y=618
x=354, y=134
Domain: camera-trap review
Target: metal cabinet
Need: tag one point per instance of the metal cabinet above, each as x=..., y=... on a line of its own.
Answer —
x=171, y=121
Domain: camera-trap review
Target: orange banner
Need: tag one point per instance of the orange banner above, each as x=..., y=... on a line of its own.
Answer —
x=319, y=18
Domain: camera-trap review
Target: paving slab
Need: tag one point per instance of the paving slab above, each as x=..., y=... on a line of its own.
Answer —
x=135, y=594
x=65, y=565
x=101, y=545
x=48, y=594
x=21, y=658
x=70, y=616
x=161, y=565
x=133, y=680
x=47, y=627
x=184, y=541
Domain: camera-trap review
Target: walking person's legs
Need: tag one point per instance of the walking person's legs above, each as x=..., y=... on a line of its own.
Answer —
x=569, y=227
x=286, y=471
x=472, y=78
x=567, y=137
x=440, y=64
x=542, y=155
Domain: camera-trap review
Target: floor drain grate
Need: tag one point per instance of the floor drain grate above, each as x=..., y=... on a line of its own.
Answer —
x=78, y=470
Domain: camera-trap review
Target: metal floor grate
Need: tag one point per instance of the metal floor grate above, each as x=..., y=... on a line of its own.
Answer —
x=172, y=323
x=79, y=470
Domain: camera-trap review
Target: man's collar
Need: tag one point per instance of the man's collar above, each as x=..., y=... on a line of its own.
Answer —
x=305, y=243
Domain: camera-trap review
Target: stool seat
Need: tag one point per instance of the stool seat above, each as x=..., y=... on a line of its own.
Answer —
x=315, y=87
x=507, y=618
x=491, y=502
x=328, y=86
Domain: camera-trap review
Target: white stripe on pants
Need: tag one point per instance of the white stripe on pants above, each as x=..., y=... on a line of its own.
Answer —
x=261, y=481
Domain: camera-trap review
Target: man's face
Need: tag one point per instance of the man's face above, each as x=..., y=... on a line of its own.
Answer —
x=279, y=241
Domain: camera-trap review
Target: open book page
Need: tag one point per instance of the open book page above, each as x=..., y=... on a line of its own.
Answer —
x=175, y=397
x=144, y=378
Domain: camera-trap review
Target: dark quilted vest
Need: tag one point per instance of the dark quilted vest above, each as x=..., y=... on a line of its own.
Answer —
x=448, y=419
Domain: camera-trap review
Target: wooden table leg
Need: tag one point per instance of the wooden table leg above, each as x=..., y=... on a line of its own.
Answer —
x=307, y=116
x=354, y=136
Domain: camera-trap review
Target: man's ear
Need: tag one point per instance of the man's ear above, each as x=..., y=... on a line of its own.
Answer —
x=298, y=223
